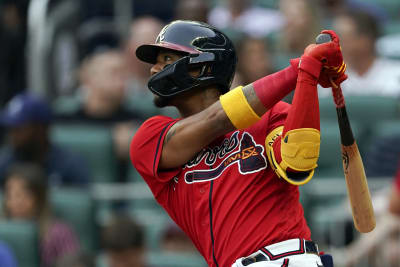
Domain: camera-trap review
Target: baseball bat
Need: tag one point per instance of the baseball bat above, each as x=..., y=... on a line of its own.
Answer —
x=354, y=173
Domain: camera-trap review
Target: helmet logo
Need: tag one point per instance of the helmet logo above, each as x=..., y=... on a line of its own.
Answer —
x=161, y=36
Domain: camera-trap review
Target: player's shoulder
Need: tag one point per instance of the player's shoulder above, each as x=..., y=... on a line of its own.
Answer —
x=152, y=128
x=156, y=121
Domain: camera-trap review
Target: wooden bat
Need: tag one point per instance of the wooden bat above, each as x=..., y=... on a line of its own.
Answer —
x=354, y=173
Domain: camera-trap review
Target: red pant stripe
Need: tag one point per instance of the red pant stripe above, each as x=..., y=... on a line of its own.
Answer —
x=285, y=263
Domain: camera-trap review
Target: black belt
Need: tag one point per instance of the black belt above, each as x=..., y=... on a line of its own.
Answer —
x=309, y=248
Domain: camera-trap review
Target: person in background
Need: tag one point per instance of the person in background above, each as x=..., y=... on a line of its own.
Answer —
x=300, y=27
x=123, y=242
x=380, y=247
x=103, y=86
x=369, y=74
x=26, y=198
x=78, y=259
x=27, y=119
x=175, y=240
x=13, y=32
x=142, y=30
x=393, y=246
x=103, y=80
x=241, y=16
x=330, y=9
x=254, y=60
x=192, y=10
x=7, y=257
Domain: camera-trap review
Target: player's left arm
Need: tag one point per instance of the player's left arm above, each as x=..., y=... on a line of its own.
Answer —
x=293, y=150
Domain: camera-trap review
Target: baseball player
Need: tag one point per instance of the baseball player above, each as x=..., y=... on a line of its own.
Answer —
x=227, y=172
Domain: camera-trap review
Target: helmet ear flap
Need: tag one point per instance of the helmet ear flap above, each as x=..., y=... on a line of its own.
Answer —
x=172, y=79
x=204, y=57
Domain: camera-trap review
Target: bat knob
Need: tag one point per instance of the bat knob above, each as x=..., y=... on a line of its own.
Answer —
x=323, y=38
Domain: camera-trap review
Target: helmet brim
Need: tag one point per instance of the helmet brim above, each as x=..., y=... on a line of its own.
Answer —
x=149, y=52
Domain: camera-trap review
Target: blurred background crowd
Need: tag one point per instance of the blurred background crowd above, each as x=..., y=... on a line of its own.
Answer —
x=72, y=94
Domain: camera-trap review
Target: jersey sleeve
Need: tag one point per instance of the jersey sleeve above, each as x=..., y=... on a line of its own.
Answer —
x=146, y=149
x=278, y=115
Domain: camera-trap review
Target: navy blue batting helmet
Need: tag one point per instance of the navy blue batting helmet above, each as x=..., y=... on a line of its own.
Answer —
x=201, y=45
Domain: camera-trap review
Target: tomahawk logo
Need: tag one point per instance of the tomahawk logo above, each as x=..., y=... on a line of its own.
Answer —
x=249, y=158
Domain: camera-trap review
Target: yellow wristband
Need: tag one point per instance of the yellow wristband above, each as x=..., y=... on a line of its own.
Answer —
x=238, y=109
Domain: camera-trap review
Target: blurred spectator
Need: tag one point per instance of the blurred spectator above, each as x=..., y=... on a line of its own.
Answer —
x=13, y=15
x=143, y=30
x=7, y=258
x=301, y=27
x=26, y=198
x=104, y=78
x=393, y=245
x=381, y=246
x=380, y=164
x=368, y=73
x=192, y=10
x=163, y=10
x=78, y=259
x=332, y=8
x=244, y=17
x=27, y=119
x=123, y=241
x=175, y=240
x=254, y=60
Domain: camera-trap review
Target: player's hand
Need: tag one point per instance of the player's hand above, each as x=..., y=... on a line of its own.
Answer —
x=329, y=54
x=329, y=78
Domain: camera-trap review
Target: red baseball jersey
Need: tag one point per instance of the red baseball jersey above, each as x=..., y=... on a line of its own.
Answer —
x=227, y=199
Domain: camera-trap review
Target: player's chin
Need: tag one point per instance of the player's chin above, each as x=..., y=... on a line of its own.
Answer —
x=160, y=101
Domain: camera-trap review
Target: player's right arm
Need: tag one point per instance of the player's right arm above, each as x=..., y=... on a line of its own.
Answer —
x=236, y=110
x=163, y=144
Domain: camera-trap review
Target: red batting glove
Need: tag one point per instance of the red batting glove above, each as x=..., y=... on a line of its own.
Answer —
x=329, y=54
x=329, y=78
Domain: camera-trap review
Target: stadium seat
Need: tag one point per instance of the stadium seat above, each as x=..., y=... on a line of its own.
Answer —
x=330, y=160
x=274, y=4
x=66, y=105
x=77, y=208
x=364, y=112
x=154, y=222
x=94, y=143
x=133, y=175
x=383, y=152
x=363, y=109
x=175, y=260
x=22, y=237
x=392, y=7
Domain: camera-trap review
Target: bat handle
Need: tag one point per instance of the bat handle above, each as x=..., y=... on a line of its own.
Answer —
x=337, y=94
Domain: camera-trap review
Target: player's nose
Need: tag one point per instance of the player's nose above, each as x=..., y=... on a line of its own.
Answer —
x=157, y=68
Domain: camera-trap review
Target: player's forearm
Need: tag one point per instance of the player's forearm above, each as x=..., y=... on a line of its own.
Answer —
x=296, y=151
x=269, y=90
x=304, y=112
x=189, y=136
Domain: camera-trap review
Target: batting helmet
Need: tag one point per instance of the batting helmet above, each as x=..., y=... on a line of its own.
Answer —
x=201, y=45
